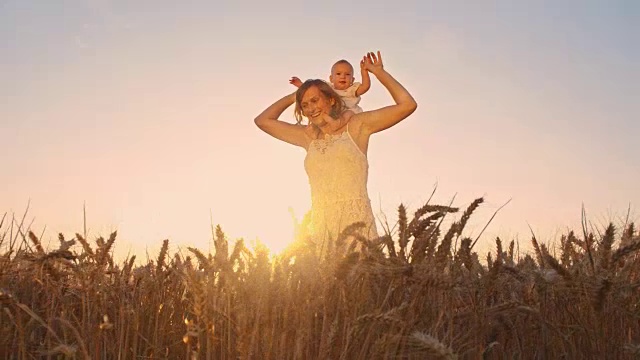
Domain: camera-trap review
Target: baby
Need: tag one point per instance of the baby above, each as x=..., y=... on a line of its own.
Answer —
x=342, y=81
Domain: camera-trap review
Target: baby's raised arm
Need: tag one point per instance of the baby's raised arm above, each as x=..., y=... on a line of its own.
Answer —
x=295, y=81
x=366, y=80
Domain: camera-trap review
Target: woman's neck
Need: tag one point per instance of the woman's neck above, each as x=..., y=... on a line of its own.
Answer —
x=336, y=127
x=333, y=130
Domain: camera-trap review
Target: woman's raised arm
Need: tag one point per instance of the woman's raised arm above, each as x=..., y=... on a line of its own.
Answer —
x=268, y=122
x=380, y=119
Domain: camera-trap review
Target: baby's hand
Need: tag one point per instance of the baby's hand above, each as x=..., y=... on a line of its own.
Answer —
x=295, y=81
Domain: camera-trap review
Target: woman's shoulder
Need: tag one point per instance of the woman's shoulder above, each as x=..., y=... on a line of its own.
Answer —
x=354, y=123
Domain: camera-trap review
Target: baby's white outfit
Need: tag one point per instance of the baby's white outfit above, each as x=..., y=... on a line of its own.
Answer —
x=349, y=97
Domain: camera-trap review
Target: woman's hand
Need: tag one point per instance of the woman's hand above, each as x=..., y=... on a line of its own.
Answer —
x=372, y=63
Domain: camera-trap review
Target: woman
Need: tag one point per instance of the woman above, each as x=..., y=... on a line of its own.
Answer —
x=336, y=161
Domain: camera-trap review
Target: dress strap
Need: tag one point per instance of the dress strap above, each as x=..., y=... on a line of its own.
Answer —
x=354, y=142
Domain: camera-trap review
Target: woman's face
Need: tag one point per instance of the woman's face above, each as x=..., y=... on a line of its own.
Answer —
x=313, y=104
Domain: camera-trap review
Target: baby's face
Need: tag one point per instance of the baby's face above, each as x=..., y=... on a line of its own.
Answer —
x=341, y=76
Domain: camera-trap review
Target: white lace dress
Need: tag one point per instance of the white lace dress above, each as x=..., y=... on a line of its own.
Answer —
x=338, y=171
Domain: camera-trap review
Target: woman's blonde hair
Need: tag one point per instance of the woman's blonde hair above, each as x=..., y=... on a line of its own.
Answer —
x=338, y=104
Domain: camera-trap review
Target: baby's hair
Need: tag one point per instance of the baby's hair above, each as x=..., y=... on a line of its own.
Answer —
x=338, y=104
x=342, y=61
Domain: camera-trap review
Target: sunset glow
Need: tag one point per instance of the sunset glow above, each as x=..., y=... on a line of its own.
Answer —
x=143, y=112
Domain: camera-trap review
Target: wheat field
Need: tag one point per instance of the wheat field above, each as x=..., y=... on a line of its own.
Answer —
x=419, y=293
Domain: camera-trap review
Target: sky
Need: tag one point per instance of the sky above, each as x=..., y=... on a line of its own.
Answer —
x=141, y=112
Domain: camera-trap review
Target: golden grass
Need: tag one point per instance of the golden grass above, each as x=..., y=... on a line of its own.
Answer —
x=413, y=295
